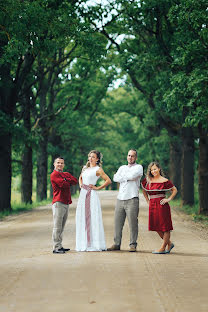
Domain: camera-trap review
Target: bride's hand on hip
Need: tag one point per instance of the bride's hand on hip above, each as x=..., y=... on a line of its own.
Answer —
x=93, y=187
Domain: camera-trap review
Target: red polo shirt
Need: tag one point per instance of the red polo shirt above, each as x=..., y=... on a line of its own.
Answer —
x=61, y=182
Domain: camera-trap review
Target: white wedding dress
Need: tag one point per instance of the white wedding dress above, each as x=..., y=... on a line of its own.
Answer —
x=97, y=236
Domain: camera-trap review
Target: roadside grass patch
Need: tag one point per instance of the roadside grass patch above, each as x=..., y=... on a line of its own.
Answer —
x=193, y=211
x=18, y=208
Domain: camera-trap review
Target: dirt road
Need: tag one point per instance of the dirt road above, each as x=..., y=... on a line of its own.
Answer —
x=32, y=279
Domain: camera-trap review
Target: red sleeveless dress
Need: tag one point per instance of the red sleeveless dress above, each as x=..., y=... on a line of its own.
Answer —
x=159, y=215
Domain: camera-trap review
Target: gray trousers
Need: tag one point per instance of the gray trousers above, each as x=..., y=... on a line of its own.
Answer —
x=60, y=214
x=126, y=208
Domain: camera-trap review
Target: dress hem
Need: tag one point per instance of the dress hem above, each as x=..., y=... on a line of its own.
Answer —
x=159, y=230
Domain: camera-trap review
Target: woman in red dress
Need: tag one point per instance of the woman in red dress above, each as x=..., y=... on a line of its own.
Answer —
x=155, y=185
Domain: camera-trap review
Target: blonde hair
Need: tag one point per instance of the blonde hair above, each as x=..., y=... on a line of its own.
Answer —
x=149, y=174
x=99, y=157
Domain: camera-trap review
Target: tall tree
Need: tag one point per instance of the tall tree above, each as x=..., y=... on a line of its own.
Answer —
x=27, y=164
x=40, y=31
x=14, y=44
x=189, y=79
x=146, y=53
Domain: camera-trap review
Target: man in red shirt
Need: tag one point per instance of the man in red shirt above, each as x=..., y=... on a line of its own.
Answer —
x=61, y=182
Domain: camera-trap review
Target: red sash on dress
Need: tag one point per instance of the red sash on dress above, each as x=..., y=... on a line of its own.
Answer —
x=87, y=211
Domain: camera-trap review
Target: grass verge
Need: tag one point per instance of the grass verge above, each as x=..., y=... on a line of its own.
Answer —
x=192, y=211
x=18, y=208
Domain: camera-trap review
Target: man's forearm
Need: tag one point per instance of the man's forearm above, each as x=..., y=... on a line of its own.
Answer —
x=72, y=180
x=133, y=175
x=118, y=178
x=60, y=182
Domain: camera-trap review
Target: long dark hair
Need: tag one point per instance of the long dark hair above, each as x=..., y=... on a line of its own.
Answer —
x=149, y=174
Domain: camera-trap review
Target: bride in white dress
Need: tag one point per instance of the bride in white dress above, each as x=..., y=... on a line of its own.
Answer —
x=89, y=224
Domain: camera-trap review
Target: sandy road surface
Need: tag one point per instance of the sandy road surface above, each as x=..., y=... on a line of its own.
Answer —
x=32, y=279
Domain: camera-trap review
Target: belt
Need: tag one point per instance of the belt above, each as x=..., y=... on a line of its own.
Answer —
x=156, y=196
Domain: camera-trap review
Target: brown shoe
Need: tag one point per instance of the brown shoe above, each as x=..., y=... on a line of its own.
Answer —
x=132, y=248
x=113, y=248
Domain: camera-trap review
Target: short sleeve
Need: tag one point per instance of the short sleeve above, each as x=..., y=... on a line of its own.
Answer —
x=168, y=185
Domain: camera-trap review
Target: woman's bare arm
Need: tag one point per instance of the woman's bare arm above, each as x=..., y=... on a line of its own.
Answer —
x=105, y=177
x=146, y=196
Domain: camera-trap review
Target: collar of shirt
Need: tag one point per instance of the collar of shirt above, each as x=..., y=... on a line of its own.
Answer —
x=131, y=165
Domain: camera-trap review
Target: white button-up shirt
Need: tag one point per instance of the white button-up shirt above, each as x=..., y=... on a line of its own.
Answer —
x=129, y=179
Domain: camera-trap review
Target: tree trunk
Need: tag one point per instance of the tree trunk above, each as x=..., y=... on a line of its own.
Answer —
x=175, y=163
x=203, y=171
x=9, y=90
x=7, y=103
x=114, y=186
x=187, y=167
x=27, y=166
x=42, y=168
x=6, y=172
x=42, y=153
x=26, y=185
x=74, y=189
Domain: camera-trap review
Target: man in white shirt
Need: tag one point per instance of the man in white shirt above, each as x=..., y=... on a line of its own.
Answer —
x=127, y=204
